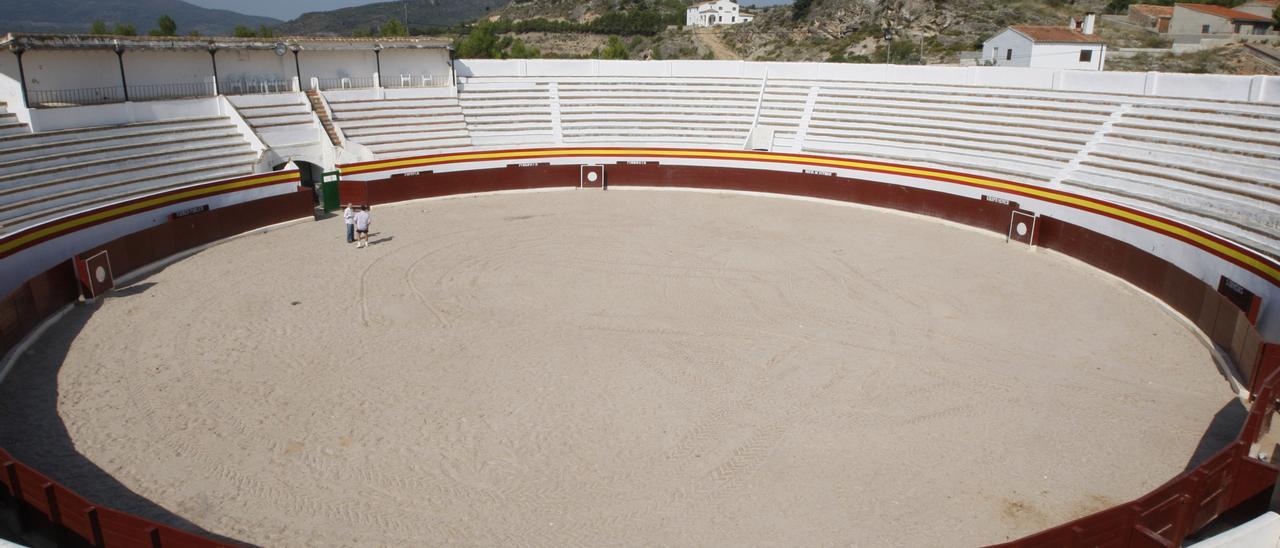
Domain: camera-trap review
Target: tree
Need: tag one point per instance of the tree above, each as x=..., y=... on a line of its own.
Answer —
x=99, y=28
x=167, y=27
x=1275, y=15
x=394, y=28
x=242, y=31
x=125, y=30
x=615, y=49
x=800, y=8
x=265, y=32
x=480, y=43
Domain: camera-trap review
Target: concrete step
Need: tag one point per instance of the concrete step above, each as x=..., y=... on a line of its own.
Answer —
x=71, y=150
x=14, y=129
x=108, y=132
x=109, y=169
x=423, y=146
x=15, y=216
x=267, y=111
x=282, y=120
x=415, y=136
x=80, y=160
x=404, y=121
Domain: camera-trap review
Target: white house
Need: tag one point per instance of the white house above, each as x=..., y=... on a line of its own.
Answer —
x=715, y=12
x=1068, y=47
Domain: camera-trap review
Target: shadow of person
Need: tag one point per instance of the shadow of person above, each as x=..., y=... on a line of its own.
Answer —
x=380, y=240
x=1222, y=430
x=34, y=433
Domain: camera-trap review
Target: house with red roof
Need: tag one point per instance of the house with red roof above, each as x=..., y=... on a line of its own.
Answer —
x=1151, y=16
x=1211, y=19
x=1072, y=46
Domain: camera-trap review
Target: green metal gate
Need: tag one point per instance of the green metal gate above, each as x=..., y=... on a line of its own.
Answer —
x=329, y=191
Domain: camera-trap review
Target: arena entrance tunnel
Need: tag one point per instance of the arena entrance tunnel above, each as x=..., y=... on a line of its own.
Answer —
x=1180, y=265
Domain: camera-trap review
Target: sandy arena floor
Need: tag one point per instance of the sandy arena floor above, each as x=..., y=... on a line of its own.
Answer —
x=623, y=367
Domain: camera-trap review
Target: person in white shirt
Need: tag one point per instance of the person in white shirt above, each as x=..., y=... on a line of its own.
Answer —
x=349, y=217
x=362, y=226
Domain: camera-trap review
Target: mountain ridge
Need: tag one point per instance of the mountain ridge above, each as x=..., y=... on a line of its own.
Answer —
x=76, y=16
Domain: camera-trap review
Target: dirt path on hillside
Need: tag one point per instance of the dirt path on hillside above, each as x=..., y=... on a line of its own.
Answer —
x=710, y=38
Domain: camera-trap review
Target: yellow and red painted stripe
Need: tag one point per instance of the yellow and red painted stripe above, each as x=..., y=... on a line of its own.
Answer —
x=27, y=237
x=1239, y=255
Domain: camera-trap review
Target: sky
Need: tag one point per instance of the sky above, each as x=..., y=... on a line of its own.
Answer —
x=289, y=9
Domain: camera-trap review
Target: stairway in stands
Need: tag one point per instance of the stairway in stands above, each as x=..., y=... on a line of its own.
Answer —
x=9, y=124
x=317, y=106
x=279, y=119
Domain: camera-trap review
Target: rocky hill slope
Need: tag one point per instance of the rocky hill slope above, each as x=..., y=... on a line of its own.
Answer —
x=854, y=30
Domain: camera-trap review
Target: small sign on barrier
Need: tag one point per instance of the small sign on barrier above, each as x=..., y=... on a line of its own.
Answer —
x=591, y=176
x=94, y=273
x=1022, y=227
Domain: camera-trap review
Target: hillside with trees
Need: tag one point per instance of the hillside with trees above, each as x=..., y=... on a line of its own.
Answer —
x=416, y=16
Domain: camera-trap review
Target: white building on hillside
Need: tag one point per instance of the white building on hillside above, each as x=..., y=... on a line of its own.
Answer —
x=1068, y=47
x=715, y=12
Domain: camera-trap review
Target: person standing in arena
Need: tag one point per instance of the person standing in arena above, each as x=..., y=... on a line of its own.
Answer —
x=362, y=226
x=349, y=217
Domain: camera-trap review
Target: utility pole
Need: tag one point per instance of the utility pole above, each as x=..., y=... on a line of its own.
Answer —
x=888, y=43
x=406, y=16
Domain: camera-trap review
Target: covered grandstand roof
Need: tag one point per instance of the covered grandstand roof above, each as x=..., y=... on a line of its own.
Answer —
x=307, y=43
x=1225, y=13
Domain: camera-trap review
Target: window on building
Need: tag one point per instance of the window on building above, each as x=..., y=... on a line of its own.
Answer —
x=1204, y=29
x=1086, y=55
x=1008, y=55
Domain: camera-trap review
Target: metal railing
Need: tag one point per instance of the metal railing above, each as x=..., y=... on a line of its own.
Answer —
x=253, y=86
x=154, y=92
x=415, y=80
x=345, y=82
x=53, y=98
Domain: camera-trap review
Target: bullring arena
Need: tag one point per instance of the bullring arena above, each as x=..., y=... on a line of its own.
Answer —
x=676, y=303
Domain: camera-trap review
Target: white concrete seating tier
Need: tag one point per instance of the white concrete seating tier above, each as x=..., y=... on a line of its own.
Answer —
x=397, y=127
x=658, y=111
x=1217, y=169
x=782, y=109
x=50, y=173
x=508, y=114
x=9, y=124
x=270, y=112
x=987, y=131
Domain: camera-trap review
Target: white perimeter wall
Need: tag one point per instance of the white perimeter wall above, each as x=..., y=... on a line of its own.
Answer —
x=1193, y=86
x=334, y=64
x=167, y=67
x=51, y=69
x=255, y=65
x=419, y=62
